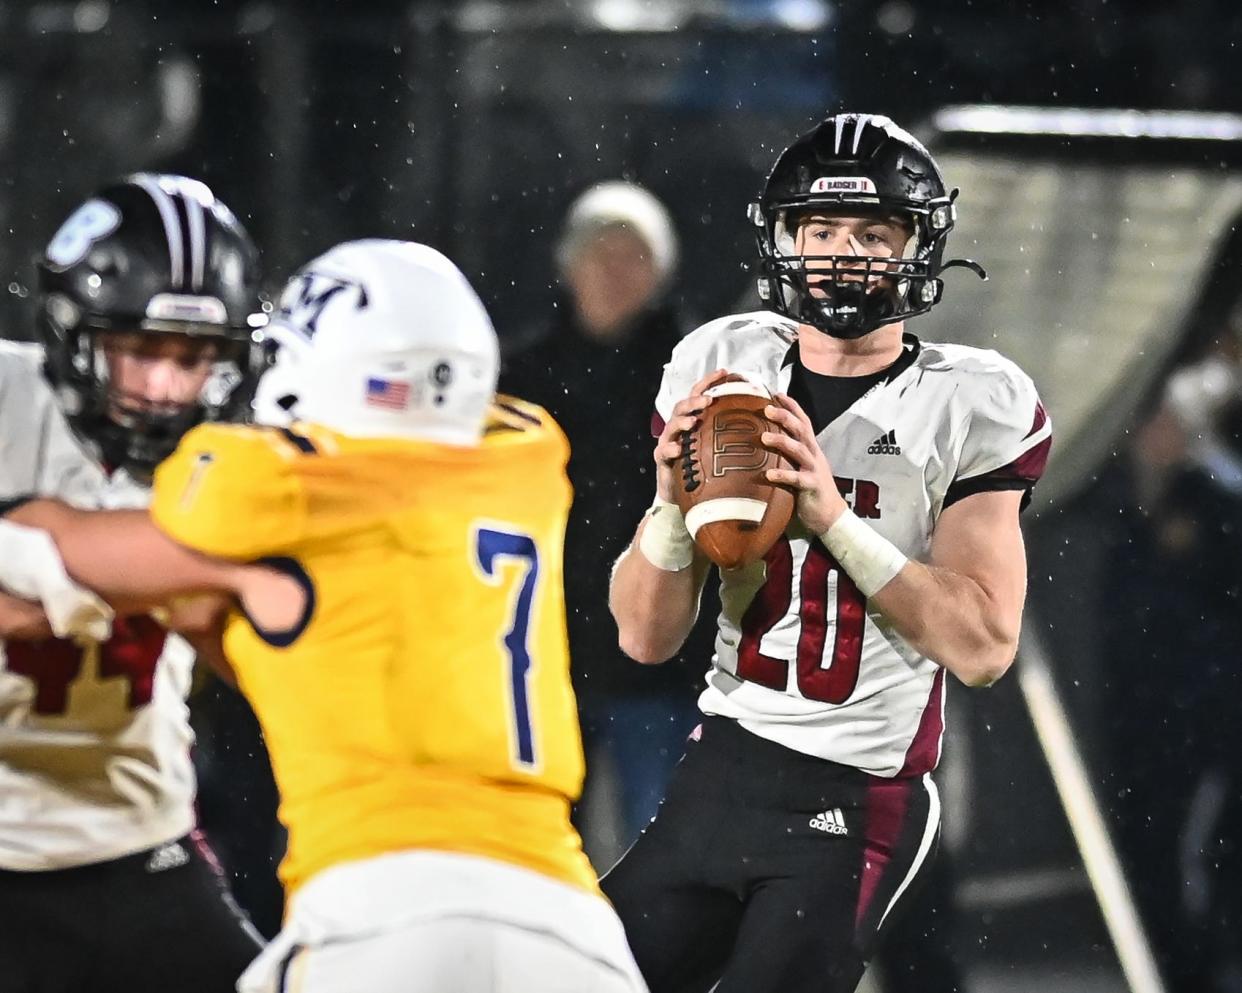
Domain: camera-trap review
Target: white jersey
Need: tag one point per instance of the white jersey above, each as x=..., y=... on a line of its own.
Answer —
x=94, y=741
x=801, y=658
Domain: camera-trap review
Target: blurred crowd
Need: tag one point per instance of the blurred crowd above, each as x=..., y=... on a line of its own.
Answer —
x=1170, y=509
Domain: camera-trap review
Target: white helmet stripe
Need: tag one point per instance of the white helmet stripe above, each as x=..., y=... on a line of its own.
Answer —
x=836, y=145
x=859, y=124
x=172, y=227
x=198, y=241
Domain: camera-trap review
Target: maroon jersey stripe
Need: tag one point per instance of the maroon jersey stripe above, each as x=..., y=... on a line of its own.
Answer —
x=1041, y=418
x=1029, y=465
x=924, y=750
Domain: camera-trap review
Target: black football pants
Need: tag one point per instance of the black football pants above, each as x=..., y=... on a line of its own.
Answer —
x=769, y=871
x=156, y=922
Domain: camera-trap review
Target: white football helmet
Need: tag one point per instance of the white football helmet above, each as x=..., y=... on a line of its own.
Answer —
x=381, y=338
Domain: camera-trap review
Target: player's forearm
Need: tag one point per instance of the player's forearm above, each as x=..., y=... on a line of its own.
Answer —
x=952, y=620
x=122, y=556
x=200, y=620
x=22, y=620
x=654, y=608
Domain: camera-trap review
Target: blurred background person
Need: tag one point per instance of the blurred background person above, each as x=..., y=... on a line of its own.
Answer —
x=1169, y=597
x=614, y=324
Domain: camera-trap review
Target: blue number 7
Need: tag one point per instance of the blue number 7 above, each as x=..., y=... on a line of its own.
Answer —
x=491, y=545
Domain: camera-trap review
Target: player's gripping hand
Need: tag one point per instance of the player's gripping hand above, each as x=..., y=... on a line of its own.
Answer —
x=819, y=502
x=685, y=416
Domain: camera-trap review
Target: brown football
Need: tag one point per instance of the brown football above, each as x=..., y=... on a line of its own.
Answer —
x=733, y=513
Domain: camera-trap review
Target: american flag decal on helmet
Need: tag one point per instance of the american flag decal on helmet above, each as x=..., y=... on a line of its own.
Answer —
x=387, y=394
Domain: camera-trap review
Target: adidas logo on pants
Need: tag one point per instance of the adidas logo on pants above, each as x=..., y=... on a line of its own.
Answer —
x=830, y=821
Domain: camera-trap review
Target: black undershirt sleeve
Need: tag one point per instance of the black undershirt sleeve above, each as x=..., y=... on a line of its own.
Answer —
x=987, y=483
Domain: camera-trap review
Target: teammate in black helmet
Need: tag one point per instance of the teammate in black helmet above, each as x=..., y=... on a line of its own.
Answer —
x=804, y=815
x=148, y=301
x=153, y=266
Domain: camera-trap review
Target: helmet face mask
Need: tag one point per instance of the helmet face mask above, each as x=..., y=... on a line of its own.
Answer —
x=853, y=166
x=144, y=272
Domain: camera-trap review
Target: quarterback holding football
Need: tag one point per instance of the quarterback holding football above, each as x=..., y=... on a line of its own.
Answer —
x=804, y=810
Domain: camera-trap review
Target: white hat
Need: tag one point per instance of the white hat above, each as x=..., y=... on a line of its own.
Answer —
x=619, y=202
x=382, y=338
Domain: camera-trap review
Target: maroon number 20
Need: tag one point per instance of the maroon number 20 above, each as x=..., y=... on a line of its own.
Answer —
x=833, y=684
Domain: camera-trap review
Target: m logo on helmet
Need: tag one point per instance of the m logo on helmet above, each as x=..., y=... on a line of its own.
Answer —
x=308, y=295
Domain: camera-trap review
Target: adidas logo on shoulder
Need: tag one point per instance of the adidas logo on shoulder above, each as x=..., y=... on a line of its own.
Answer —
x=830, y=821
x=886, y=444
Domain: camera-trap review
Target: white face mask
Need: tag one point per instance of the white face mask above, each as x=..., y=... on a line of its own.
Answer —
x=275, y=399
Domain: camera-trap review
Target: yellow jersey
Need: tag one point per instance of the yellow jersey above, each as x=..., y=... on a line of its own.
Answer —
x=424, y=701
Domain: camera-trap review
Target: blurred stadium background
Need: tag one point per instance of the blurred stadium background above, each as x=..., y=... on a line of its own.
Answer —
x=1116, y=266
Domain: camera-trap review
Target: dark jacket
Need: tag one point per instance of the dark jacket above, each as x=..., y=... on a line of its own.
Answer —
x=603, y=396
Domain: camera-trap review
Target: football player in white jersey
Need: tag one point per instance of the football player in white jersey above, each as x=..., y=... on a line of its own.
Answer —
x=147, y=296
x=804, y=811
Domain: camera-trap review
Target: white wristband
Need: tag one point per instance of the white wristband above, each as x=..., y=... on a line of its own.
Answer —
x=665, y=542
x=870, y=559
x=32, y=570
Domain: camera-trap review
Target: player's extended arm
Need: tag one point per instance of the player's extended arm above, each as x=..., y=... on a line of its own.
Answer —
x=963, y=608
x=656, y=584
x=22, y=619
x=124, y=557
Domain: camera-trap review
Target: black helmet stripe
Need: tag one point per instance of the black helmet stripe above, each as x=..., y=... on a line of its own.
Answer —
x=182, y=211
x=172, y=227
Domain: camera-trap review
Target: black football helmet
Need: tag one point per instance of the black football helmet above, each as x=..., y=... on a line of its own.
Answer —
x=154, y=254
x=855, y=164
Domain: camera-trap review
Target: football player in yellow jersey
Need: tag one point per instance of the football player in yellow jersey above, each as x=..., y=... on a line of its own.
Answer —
x=391, y=544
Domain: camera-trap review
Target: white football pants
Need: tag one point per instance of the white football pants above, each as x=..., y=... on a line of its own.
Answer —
x=431, y=922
